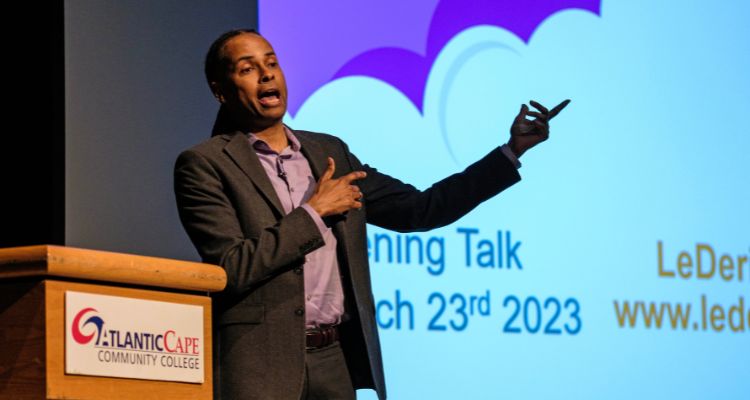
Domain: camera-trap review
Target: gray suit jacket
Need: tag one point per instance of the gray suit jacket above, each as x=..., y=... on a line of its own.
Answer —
x=234, y=218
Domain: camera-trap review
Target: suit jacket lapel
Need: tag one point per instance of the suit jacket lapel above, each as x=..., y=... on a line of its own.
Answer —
x=314, y=154
x=244, y=156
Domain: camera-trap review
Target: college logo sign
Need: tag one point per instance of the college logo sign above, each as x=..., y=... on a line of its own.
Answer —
x=133, y=338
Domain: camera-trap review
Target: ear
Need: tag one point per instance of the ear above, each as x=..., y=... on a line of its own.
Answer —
x=217, y=90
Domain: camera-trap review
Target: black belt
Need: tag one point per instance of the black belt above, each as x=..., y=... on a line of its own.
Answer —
x=321, y=336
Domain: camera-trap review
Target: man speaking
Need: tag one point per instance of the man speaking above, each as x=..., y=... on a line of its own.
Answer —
x=284, y=212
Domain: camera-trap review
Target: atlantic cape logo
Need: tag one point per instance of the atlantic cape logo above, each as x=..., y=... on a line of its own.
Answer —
x=163, y=348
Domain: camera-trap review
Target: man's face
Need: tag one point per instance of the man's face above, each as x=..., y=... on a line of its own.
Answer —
x=254, y=88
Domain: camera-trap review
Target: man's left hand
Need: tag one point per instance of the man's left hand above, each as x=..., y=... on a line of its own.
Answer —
x=527, y=133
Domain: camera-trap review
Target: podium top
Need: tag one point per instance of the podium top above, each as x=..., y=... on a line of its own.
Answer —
x=104, y=266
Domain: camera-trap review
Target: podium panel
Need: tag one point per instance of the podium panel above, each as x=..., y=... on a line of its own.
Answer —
x=33, y=330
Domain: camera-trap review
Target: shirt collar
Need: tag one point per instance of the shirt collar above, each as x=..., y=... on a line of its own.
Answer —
x=259, y=144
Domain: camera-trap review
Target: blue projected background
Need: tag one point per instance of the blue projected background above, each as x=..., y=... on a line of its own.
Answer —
x=619, y=267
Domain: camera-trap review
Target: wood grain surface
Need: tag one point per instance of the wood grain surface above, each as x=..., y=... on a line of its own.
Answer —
x=104, y=266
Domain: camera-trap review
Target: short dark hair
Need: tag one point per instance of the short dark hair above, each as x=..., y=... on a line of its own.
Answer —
x=216, y=63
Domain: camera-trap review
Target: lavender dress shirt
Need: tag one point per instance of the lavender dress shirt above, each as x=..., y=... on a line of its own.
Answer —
x=293, y=181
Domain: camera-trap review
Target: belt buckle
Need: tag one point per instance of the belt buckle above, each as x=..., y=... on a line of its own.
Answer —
x=324, y=336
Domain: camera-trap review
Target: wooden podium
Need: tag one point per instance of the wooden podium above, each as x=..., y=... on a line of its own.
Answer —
x=33, y=283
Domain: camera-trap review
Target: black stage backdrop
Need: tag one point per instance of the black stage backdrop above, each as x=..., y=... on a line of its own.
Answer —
x=108, y=93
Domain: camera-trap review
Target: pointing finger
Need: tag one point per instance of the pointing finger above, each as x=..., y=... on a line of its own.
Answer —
x=558, y=108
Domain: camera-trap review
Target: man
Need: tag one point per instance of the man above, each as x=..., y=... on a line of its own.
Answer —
x=283, y=211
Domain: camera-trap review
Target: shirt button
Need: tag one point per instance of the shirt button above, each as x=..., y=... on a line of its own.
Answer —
x=291, y=189
x=299, y=311
x=298, y=271
x=309, y=297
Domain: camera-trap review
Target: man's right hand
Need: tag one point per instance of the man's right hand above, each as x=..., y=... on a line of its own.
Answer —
x=336, y=196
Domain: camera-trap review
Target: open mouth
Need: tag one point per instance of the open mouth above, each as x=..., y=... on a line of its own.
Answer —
x=270, y=97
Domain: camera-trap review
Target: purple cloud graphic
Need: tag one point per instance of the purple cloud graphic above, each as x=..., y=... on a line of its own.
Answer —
x=394, y=41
